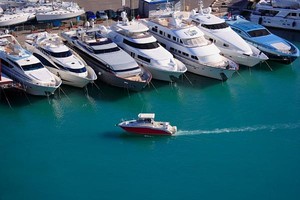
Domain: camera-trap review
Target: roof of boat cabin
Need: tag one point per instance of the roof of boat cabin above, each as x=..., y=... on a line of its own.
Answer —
x=146, y=115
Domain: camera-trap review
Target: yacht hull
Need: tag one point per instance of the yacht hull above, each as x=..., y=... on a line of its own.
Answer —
x=74, y=80
x=42, y=17
x=110, y=78
x=66, y=76
x=276, y=55
x=211, y=72
x=33, y=88
x=8, y=20
x=145, y=130
x=162, y=75
x=246, y=60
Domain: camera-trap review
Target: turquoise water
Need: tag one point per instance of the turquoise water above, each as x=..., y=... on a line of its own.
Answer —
x=237, y=140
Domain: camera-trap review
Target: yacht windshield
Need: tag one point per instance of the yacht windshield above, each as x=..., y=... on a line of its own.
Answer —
x=60, y=54
x=151, y=45
x=215, y=26
x=81, y=70
x=193, y=42
x=258, y=33
x=32, y=66
x=100, y=51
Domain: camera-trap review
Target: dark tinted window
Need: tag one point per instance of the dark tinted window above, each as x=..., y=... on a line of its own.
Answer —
x=100, y=51
x=144, y=58
x=154, y=29
x=215, y=26
x=59, y=54
x=43, y=60
x=258, y=33
x=151, y=45
x=32, y=66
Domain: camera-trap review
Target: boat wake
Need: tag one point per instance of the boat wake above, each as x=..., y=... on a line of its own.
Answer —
x=269, y=128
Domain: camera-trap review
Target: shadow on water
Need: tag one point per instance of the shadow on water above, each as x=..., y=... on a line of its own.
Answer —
x=268, y=67
x=18, y=98
x=199, y=82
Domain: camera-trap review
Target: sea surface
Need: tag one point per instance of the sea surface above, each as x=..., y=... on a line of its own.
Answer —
x=238, y=139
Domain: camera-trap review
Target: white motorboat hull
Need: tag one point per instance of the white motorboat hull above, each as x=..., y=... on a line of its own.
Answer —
x=163, y=75
x=31, y=87
x=66, y=76
x=242, y=59
x=111, y=78
x=42, y=90
x=72, y=79
x=52, y=16
x=9, y=20
x=208, y=71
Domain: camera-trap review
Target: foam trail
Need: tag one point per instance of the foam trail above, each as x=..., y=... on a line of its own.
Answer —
x=269, y=128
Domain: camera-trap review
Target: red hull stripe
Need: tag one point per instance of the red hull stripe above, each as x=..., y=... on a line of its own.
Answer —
x=146, y=131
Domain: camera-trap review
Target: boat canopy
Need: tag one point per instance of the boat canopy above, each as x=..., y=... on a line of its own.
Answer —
x=146, y=115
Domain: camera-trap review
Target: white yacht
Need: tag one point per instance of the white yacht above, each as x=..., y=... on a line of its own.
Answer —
x=21, y=66
x=188, y=44
x=279, y=14
x=229, y=42
x=60, y=11
x=113, y=65
x=133, y=37
x=277, y=48
x=10, y=18
x=59, y=59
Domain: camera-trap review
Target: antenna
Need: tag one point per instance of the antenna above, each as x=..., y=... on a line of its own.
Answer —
x=200, y=6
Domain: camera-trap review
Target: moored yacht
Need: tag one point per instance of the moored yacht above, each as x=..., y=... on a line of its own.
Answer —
x=21, y=66
x=59, y=59
x=113, y=65
x=275, y=47
x=188, y=44
x=133, y=36
x=230, y=43
x=277, y=13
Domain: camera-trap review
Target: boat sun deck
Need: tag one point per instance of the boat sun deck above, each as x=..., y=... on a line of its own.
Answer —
x=134, y=33
x=12, y=48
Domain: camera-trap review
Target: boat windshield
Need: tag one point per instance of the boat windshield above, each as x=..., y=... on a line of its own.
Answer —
x=151, y=45
x=194, y=42
x=259, y=32
x=33, y=66
x=215, y=26
x=81, y=70
x=63, y=54
x=101, y=51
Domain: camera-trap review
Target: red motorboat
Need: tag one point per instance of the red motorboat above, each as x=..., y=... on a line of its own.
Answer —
x=145, y=125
